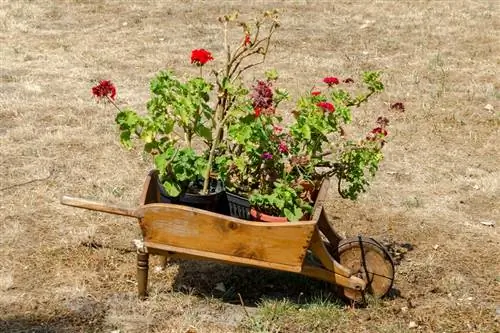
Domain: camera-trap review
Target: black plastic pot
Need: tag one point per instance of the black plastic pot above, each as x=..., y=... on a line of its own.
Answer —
x=210, y=202
x=238, y=206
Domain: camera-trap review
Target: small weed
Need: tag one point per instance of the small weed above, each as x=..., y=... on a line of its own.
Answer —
x=413, y=202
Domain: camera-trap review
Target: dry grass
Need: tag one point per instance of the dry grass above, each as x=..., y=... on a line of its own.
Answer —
x=440, y=178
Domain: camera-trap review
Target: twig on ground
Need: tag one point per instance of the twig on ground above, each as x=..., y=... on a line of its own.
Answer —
x=27, y=182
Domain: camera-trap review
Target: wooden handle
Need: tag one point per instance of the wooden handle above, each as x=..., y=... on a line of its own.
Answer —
x=98, y=206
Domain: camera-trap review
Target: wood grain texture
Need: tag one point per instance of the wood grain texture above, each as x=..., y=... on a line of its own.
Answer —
x=173, y=252
x=319, y=273
x=99, y=206
x=142, y=273
x=327, y=229
x=209, y=234
x=150, y=192
x=320, y=199
x=319, y=250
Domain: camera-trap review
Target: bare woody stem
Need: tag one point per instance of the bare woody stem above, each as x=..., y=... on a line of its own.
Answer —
x=231, y=73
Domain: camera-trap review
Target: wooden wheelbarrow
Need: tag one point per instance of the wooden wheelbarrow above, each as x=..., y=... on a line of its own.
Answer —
x=311, y=248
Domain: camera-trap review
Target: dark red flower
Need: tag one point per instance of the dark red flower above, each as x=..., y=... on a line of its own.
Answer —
x=326, y=106
x=105, y=88
x=348, y=80
x=282, y=147
x=257, y=111
x=315, y=93
x=382, y=121
x=262, y=95
x=398, y=106
x=200, y=57
x=378, y=132
x=247, y=40
x=330, y=80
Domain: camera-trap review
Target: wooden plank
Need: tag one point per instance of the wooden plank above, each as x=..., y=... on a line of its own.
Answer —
x=99, y=206
x=327, y=229
x=150, y=192
x=320, y=200
x=174, y=252
x=187, y=228
x=352, y=282
x=319, y=250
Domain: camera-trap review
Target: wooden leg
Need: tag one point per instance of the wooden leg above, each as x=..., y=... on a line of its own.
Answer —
x=142, y=273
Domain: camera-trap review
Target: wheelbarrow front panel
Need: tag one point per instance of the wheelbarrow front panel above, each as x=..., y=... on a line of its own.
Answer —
x=197, y=232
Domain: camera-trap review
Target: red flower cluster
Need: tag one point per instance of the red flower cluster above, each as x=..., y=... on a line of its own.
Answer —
x=282, y=147
x=398, y=106
x=326, y=106
x=330, y=80
x=247, y=40
x=379, y=130
x=377, y=133
x=257, y=112
x=200, y=57
x=105, y=88
x=262, y=96
x=315, y=93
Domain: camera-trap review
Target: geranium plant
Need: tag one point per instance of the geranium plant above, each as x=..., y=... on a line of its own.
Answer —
x=185, y=121
x=281, y=167
x=213, y=125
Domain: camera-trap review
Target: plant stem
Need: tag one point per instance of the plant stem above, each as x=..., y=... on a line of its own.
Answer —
x=113, y=102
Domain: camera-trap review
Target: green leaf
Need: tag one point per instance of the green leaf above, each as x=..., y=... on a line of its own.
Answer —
x=204, y=132
x=306, y=132
x=272, y=75
x=125, y=139
x=173, y=189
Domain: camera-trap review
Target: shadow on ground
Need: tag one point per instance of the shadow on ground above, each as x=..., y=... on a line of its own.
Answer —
x=72, y=322
x=228, y=283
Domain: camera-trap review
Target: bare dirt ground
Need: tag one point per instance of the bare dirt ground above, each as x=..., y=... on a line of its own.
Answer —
x=69, y=270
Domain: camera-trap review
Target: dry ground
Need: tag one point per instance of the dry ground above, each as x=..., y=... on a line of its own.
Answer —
x=439, y=181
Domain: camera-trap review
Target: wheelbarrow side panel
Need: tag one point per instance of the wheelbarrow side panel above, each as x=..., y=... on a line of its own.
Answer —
x=196, y=232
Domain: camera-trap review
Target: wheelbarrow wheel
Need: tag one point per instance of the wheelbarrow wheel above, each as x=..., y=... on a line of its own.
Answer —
x=370, y=261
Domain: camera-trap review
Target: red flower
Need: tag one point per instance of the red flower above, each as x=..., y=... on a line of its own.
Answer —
x=378, y=132
x=315, y=93
x=105, y=88
x=382, y=121
x=326, y=106
x=282, y=147
x=200, y=57
x=330, y=80
x=257, y=111
x=247, y=40
x=262, y=95
x=398, y=106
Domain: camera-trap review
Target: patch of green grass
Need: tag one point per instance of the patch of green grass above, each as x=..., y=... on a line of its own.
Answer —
x=319, y=314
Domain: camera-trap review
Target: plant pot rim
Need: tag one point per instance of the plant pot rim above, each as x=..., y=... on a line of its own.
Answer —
x=259, y=216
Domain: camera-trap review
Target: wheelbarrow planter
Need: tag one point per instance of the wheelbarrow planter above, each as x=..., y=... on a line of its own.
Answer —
x=311, y=248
